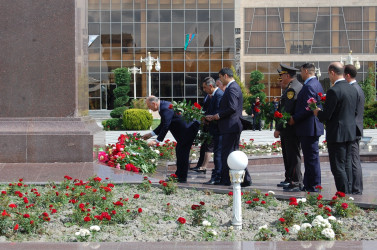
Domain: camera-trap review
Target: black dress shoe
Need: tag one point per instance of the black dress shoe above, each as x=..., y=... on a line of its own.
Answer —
x=201, y=170
x=292, y=189
x=195, y=168
x=210, y=182
x=283, y=184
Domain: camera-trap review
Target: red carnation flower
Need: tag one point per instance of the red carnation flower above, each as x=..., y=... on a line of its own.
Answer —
x=230, y=193
x=171, y=106
x=202, y=203
x=164, y=184
x=15, y=227
x=87, y=218
x=26, y=216
x=344, y=205
x=263, y=202
x=286, y=229
x=320, y=205
x=140, y=210
x=181, y=220
x=136, y=196
x=282, y=220
x=320, y=94
x=248, y=202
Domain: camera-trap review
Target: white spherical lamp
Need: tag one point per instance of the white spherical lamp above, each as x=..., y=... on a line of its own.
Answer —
x=237, y=160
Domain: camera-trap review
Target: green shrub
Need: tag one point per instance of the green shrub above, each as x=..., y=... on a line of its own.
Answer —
x=139, y=104
x=137, y=119
x=122, y=78
x=113, y=124
x=118, y=112
x=370, y=115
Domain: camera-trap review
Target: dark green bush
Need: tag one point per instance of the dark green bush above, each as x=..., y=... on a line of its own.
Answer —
x=370, y=115
x=122, y=78
x=113, y=124
x=137, y=119
x=118, y=112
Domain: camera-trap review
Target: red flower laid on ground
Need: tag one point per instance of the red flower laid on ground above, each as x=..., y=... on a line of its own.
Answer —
x=136, y=196
x=68, y=177
x=344, y=205
x=140, y=210
x=87, y=219
x=15, y=227
x=181, y=220
x=248, y=202
x=282, y=220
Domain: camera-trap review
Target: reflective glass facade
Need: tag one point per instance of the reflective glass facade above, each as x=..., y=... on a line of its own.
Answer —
x=123, y=31
x=297, y=35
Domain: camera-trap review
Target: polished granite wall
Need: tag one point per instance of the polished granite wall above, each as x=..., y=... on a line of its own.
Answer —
x=43, y=82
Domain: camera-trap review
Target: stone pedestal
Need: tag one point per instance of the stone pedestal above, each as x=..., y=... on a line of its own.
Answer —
x=43, y=82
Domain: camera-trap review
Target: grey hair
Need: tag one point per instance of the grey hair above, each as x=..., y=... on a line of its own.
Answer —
x=209, y=81
x=152, y=99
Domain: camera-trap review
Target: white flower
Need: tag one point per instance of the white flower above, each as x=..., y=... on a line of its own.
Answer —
x=231, y=228
x=83, y=232
x=157, y=151
x=303, y=200
x=95, y=228
x=332, y=218
x=305, y=226
x=271, y=192
x=319, y=217
x=340, y=222
x=206, y=223
x=263, y=227
x=193, y=155
x=153, y=160
x=328, y=233
x=351, y=198
x=213, y=232
x=294, y=229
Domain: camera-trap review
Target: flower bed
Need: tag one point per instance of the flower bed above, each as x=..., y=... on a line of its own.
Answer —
x=96, y=210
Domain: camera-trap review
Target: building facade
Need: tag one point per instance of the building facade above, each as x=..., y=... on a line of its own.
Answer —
x=123, y=31
x=294, y=32
x=247, y=34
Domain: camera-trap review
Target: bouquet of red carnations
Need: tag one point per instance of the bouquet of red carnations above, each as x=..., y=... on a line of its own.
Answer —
x=282, y=118
x=188, y=112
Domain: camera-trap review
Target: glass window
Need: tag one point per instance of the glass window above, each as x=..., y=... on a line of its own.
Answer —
x=273, y=23
x=177, y=15
x=152, y=16
x=190, y=15
x=127, y=4
x=190, y=4
x=216, y=15
x=228, y=15
x=137, y=34
x=165, y=36
x=356, y=46
x=259, y=23
x=191, y=66
x=165, y=4
x=93, y=4
x=105, y=4
x=216, y=32
x=127, y=16
x=152, y=4
x=353, y=14
x=178, y=4
x=323, y=23
x=191, y=89
x=116, y=16
x=165, y=16
x=94, y=16
x=165, y=85
x=203, y=66
x=178, y=66
x=178, y=40
x=93, y=29
x=203, y=15
x=178, y=83
x=321, y=39
x=137, y=16
x=228, y=39
x=228, y=4
x=308, y=14
x=166, y=66
x=105, y=16
x=153, y=31
x=204, y=40
x=203, y=4
x=215, y=4
x=93, y=54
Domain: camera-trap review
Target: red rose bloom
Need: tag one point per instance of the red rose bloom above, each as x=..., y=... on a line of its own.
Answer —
x=263, y=202
x=26, y=216
x=171, y=106
x=202, y=203
x=140, y=210
x=230, y=193
x=344, y=205
x=164, y=184
x=320, y=205
x=136, y=196
x=181, y=220
x=286, y=229
x=282, y=220
x=248, y=202
x=15, y=227
x=87, y=218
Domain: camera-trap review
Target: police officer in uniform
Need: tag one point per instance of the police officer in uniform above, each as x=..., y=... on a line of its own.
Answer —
x=289, y=141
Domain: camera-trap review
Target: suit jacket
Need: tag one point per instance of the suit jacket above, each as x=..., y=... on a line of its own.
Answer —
x=206, y=103
x=305, y=121
x=339, y=112
x=170, y=121
x=214, y=108
x=360, y=109
x=288, y=104
x=231, y=106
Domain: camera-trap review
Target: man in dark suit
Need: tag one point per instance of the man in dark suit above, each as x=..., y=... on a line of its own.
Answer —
x=308, y=127
x=339, y=113
x=183, y=133
x=290, y=143
x=350, y=73
x=255, y=114
x=229, y=122
x=215, y=94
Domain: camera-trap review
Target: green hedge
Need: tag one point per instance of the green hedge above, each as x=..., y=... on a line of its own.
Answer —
x=113, y=124
x=370, y=115
x=137, y=119
x=118, y=112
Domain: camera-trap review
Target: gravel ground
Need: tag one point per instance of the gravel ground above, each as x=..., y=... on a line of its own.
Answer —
x=158, y=223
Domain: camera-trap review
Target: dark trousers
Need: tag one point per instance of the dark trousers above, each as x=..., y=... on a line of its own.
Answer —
x=340, y=164
x=230, y=143
x=201, y=156
x=217, y=145
x=357, y=173
x=182, y=151
x=292, y=159
x=312, y=175
x=257, y=122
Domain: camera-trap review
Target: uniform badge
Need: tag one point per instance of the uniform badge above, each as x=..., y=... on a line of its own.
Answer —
x=290, y=94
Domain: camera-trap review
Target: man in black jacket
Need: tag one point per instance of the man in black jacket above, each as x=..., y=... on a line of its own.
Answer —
x=350, y=73
x=339, y=114
x=183, y=133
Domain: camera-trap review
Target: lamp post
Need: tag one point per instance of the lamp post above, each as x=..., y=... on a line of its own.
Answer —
x=237, y=161
x=135, y=70
x=149, y=60
x=349, y=60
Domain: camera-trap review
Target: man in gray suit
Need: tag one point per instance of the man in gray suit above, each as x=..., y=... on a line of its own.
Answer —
x=339, y=114
x=350, y=73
